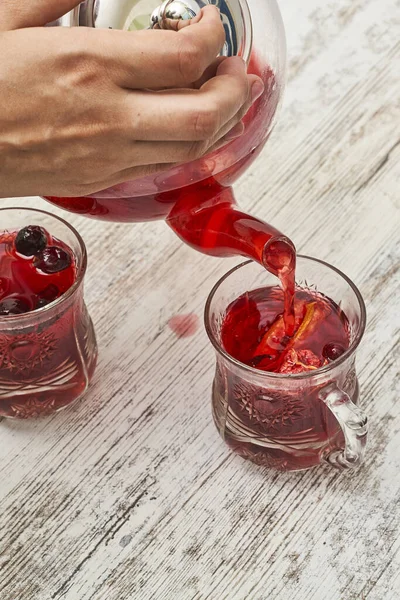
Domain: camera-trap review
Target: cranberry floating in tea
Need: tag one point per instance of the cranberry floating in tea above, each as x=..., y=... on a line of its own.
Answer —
x=196, y=198
x=47, y=343
x=35, y=269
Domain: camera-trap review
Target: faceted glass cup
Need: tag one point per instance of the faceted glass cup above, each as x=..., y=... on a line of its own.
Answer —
x=283, y=421
x=47, y=356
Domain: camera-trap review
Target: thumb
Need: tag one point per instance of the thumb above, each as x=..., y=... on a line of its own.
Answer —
x=15, y=14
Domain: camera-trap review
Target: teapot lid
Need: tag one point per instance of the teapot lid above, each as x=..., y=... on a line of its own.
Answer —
x=133, y=15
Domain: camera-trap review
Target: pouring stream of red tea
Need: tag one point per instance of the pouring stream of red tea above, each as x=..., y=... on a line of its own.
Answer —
x=206, y=217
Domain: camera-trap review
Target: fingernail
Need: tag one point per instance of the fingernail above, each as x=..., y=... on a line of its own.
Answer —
x=235, y=132
x=256, y=90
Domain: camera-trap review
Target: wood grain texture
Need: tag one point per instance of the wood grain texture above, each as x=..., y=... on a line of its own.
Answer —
x=131, y=495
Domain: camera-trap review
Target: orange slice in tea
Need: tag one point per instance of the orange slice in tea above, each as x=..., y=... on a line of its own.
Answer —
x=316, y=313
x=275, y=341
x=277, y=352
x=297, y=358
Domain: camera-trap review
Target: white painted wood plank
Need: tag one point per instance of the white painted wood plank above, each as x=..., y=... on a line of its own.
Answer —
x=131, y=494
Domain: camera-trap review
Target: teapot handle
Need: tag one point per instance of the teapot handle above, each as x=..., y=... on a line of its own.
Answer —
x=353, y=422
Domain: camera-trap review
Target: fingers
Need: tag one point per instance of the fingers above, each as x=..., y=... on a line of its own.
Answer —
x=185, y=148
x=235, y=128
x=148, y=158
x=178, y=24
x=190, y=115
x=210, y=72
x=155, y=59
x=119, y=178
x=15, y=14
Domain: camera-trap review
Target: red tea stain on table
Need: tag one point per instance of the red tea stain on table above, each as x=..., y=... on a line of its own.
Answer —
x=184, y=325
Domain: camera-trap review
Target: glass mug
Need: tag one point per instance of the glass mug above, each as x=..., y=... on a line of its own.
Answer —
x=47, y=356
x=282, y=421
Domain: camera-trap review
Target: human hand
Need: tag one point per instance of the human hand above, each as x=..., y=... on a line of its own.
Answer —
x=81, y=110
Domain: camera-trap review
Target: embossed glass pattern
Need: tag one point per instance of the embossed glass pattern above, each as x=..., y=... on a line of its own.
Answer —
x=47, y=356
x=282, y=421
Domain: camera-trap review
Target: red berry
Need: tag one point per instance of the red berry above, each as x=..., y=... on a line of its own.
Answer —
x=13, y=306
x=332, y=351
x=49, y=294
x=52, y=260
x=31, y=240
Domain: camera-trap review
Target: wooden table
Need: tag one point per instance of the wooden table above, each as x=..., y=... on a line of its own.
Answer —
x=131, y=494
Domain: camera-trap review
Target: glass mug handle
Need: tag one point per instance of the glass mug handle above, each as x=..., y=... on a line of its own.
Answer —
x=353, y=422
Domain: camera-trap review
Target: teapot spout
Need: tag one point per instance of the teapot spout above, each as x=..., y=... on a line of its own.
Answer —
x=211, y=223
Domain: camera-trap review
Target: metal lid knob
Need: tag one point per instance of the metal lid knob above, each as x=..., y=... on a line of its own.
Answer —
x=171, y=12
x=132, y=15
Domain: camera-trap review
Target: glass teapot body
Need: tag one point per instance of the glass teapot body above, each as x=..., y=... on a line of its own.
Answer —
x=255, y=31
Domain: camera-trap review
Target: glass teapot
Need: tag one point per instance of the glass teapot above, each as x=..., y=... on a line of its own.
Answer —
x=186, y=195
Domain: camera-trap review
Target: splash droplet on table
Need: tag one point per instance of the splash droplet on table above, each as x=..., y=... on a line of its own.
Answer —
x=184, y=325
x=124, y=541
